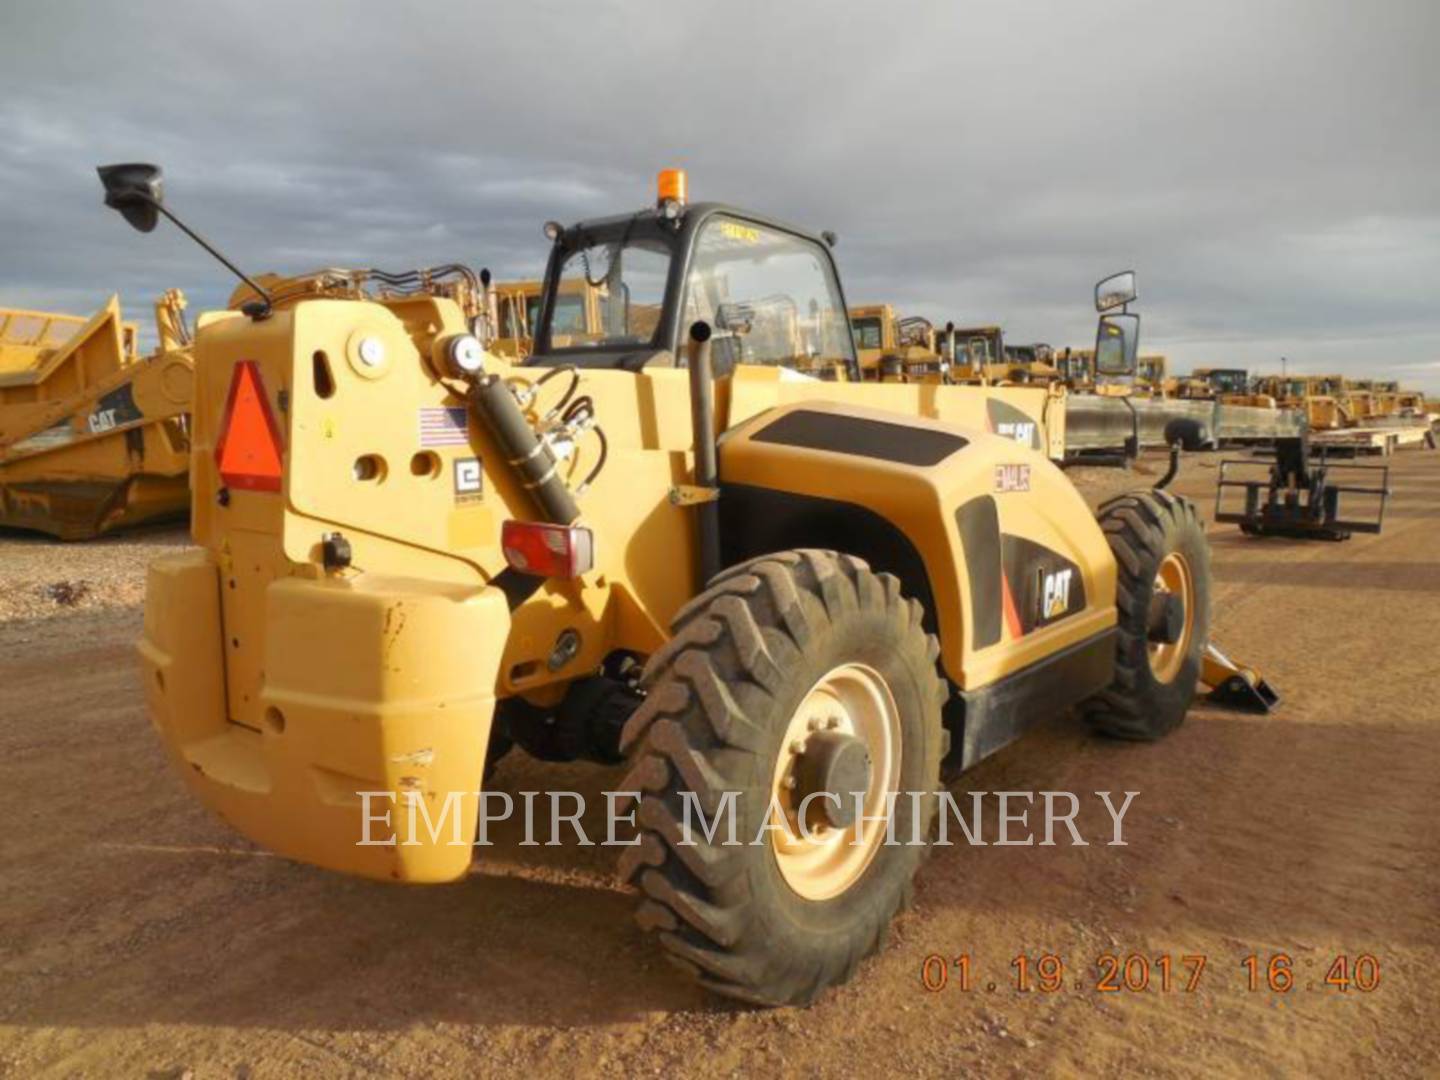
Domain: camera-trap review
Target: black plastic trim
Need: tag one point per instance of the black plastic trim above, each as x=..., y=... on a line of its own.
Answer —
x=758, y=521
x=979, y=523
x=995, y=715
x=837, y=433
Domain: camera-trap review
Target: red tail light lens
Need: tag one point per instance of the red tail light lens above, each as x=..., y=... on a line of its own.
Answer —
x=554, y=551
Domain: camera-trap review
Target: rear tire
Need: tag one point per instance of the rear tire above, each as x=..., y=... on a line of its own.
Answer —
x=725, y=695
x=1158, y=544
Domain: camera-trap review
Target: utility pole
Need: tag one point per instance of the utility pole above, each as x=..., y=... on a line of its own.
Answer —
x=1284, y=367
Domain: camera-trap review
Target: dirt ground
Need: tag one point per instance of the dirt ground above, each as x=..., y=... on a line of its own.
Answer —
x=139, y=937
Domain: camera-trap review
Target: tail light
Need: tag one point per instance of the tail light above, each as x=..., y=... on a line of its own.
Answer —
x=545, y=550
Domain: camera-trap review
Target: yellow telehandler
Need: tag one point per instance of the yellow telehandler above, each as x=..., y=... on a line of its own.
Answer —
x=786, y=602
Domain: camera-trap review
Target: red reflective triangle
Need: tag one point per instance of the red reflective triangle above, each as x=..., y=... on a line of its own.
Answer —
x=248, y=452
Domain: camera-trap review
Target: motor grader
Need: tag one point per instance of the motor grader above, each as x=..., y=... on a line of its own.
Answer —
x=93, y=436
x=659, y=543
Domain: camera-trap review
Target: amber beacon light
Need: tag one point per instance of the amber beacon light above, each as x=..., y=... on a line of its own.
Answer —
x=672, y=185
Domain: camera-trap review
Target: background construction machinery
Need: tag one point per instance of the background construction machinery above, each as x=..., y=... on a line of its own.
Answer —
x=92, y=435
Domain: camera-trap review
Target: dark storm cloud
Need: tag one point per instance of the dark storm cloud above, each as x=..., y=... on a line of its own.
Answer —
x=1268, y=167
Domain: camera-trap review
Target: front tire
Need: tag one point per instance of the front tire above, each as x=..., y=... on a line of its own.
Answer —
x=780, y=661
x=1159, y=547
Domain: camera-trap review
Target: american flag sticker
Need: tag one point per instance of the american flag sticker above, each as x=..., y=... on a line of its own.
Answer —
x=443, y=425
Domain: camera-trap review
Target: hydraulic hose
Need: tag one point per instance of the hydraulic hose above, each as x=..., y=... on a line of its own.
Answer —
x=539, y=471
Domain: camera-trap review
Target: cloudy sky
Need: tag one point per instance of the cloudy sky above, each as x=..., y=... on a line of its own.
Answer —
x=1271, y=169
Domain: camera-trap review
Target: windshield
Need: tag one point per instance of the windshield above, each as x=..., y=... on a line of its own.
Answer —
x=610, y=295
x=867, y=333
x=1229, y=382
x=771, y=297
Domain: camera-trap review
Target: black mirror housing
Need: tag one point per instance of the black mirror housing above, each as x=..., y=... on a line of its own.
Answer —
x=137, y=190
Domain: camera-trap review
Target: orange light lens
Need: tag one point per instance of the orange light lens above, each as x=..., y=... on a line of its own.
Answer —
x=672, y=184
x=248, y=454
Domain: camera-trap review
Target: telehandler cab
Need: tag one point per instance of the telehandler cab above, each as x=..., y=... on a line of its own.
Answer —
x=413, y=554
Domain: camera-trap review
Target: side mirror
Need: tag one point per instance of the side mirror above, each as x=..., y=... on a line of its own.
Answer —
x=1117, y=290
x=136, y=190
x=735, y=318
x=1117, y=341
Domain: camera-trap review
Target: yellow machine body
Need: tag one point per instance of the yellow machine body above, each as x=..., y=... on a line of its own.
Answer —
x=92, y=436
x=1325, y=399
x=1033, y=414
x=517, y=311
x=284, y=687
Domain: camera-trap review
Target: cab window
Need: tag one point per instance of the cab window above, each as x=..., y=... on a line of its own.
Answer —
x=867, y=333
x=770, y=297
x=621, y=284
x=569, y=314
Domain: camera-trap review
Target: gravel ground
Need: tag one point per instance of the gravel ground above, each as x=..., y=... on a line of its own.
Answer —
x=40, y=577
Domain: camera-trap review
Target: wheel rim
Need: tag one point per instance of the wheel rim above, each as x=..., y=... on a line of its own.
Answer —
x=821, y=861
x=1174, y=578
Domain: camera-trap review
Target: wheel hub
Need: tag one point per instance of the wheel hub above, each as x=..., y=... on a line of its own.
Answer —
x=834, y=766
x=1167, y=618
x=844, y=737
x=1173, y=600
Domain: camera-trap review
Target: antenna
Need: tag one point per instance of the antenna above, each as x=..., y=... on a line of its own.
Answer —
x=138, y=191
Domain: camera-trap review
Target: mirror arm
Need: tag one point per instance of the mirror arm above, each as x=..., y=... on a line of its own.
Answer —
x=264, y=296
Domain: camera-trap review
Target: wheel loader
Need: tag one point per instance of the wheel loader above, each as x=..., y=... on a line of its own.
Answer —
x=660, y=544
x=92, y=435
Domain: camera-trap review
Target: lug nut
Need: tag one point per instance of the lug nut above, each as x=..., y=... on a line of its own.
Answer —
x=797, y=747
